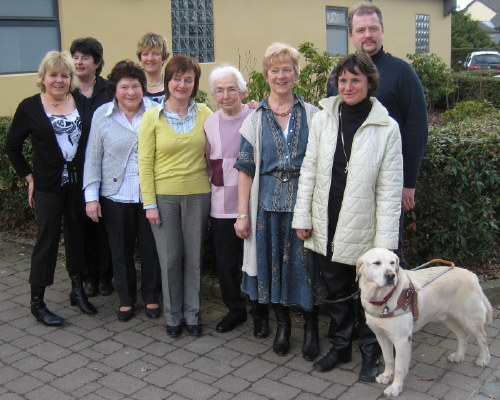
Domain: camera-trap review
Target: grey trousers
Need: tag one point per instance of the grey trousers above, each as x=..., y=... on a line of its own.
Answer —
x=179, y=242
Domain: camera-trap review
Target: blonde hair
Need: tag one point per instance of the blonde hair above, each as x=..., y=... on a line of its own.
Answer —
x=153, y=41
x=279, y=52
x=57, y=61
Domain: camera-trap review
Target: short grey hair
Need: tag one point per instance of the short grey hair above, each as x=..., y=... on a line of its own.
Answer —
x=224, y=71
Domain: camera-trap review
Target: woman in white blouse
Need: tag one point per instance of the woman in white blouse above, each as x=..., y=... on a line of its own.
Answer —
x=111, y=183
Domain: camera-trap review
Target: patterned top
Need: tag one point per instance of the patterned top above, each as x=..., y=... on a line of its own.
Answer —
x=278, y=153
x=68, y=129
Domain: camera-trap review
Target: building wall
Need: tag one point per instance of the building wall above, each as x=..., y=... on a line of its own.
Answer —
x=242, y=31
x=480, y=12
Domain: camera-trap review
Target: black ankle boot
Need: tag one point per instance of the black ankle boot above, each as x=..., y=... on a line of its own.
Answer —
x=40, y=310
x=77, y=297
x=281, y=343
x=310, y=347
x=368, y=347
x=333, y=358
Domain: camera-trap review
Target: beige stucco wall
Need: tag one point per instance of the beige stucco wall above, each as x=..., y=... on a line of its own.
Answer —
x=243, y=30
x=480, y=12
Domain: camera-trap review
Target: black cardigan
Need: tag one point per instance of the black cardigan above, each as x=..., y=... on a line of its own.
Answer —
x=48, y=162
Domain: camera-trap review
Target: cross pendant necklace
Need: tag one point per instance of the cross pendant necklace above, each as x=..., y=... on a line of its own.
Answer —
x=346, y=169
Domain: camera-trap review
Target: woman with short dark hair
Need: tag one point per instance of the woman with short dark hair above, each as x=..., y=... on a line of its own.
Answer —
x=349, y=201
x=88, y=57
x=176, y=191
x=87, y=54
x=111, y=186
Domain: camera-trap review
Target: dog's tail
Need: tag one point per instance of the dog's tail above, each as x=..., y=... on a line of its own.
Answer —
x=489, y=310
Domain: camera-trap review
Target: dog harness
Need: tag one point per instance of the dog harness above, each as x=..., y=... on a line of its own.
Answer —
x=408, y=298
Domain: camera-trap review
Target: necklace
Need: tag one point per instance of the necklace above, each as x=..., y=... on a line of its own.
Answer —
x=173, y=112
x=44, y=96
x=157, y=83
x=283, y=114
x=346, y=169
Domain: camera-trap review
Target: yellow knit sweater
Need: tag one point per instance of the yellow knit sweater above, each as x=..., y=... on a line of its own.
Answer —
x=172, y=163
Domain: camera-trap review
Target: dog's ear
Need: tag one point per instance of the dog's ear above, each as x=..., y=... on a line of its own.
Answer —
x=359, y=267
x=397, y=261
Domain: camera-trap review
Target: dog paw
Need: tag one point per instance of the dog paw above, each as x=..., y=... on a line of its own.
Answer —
x=393, y=390
x=384, y=379
x=455, y=357
x=482, y=362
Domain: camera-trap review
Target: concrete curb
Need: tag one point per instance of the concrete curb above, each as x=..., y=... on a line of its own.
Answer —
x=210, y=285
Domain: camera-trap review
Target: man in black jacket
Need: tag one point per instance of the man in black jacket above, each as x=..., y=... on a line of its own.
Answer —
x=400, y=91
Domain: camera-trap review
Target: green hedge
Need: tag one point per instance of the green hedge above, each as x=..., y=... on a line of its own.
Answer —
x=458, y=193
x=475, y=87
x=14, y=208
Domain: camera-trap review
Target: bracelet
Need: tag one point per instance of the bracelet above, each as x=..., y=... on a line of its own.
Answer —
x=242, y=216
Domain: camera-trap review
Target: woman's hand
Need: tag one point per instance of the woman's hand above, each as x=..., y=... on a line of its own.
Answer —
x=31, y=189
x=93, y=210
x=242, y=228
x=253, y=104
x=303, y=234
x=153, y=216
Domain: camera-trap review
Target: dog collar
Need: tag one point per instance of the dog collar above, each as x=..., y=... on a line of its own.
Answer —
x=386, y=298
x=407, y=302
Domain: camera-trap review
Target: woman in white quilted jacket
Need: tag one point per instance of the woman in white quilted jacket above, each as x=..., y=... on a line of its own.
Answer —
x=348, y=200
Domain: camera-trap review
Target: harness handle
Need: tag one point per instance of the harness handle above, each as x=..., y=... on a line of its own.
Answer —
x=435, y=260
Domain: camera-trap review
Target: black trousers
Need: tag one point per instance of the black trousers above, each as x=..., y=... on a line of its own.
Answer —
x=126, y=224
x=340, y=282
x=97, y=253
x=228, y=249
x=67, y=205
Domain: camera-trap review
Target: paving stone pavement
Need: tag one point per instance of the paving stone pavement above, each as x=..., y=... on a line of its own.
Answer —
x=98, y=357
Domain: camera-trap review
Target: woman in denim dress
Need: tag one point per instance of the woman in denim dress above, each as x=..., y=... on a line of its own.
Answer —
x=276, y=267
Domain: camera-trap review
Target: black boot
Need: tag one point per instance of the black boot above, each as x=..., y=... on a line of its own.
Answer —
x=340, y=283
x=260, y=314
x=340, y=335
x=310, y=347
x=368, y=346
x=77, y=297
x=40, y=310
x=281, y=342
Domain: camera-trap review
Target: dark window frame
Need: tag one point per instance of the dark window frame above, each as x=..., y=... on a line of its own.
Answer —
x=36, y=22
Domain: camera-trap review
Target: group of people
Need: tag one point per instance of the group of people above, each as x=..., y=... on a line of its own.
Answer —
x=295, y=194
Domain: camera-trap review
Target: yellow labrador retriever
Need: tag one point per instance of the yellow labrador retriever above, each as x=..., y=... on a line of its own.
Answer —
x=399, y=302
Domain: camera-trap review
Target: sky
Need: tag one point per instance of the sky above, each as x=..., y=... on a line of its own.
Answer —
x=462, y=3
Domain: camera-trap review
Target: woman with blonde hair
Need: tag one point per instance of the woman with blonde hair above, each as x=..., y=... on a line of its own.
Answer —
x=276, y=267
x=58, y=124
x=152, y=52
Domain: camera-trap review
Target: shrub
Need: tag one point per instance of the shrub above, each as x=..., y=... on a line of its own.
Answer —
x=473, y=87
x=311, y=84
x=435, y=77
x=458, y=193
x=14, y=208
x=469, y=109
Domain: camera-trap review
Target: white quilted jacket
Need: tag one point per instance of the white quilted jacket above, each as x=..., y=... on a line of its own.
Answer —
x=371, y=207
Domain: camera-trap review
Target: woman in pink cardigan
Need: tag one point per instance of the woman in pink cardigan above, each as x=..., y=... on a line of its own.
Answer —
x=223, y=143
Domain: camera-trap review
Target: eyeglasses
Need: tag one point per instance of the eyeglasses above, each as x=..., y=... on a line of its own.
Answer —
x=229, y=91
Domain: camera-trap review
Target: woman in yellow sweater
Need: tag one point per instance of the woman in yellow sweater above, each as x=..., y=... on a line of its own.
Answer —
x=176, y=191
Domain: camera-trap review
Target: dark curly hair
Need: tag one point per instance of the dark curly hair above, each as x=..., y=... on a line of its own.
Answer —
x=125, y=69
x=91, y=47
x=358, y=63
x=180, y=64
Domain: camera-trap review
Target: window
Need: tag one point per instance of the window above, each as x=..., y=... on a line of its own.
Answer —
x=193, y=29
x=28, y=30
x=336, y=30
x=422, y=33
